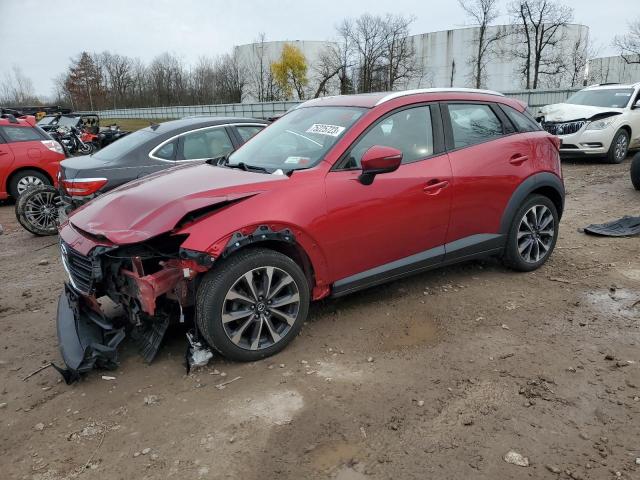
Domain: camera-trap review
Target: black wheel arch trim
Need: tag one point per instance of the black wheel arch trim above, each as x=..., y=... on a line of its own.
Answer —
x=526, y=188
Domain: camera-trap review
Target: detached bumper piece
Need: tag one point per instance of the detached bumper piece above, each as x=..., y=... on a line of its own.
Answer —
x=87, y=338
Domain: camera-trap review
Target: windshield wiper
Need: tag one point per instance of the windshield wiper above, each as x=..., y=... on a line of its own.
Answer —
x=218, y=161
x=246, y=167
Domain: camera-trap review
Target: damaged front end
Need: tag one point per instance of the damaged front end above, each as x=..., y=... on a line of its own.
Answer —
x=152, y=285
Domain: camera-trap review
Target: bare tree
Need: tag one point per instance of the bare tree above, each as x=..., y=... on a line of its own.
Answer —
x=541, y=28
x=16, y=88
x=582, y=49
x=629, y=44
x=118, y=69
x=483, y=13
x=368, y=37
x=399, y=52
x=231, y=79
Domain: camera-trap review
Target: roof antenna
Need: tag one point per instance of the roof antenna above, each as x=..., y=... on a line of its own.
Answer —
x=154, y=126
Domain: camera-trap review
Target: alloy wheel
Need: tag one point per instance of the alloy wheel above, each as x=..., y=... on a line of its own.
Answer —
x=621, y=147
x=260, y=308
x=28, y=181
x=41, y=210
x=535, y=234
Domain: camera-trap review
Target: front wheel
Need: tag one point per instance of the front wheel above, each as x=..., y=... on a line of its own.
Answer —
x=533, y=234
x=85, y=149
x=253, y=304
x=619, y=147
x=37, y=210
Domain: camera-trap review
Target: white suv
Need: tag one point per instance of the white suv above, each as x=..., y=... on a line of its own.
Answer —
x=598, y=121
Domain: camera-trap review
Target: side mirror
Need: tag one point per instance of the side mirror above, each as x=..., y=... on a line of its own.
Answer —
x=636, y=105
x=379, y=159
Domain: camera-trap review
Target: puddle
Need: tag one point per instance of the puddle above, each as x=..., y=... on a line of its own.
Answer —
x=619, y=302
x=415, y=332
x=276, y=408
x=329, y=456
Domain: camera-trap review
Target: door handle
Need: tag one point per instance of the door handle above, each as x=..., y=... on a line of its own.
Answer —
x=518, y=159
x=434, y=187
x=3, y=153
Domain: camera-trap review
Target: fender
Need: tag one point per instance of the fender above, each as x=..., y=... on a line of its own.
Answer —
x=280, y=232
x=531, y=184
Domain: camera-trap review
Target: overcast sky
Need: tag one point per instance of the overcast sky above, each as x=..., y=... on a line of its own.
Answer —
x=41, y=36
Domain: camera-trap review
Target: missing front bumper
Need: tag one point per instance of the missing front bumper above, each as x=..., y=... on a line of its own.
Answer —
x=87, y=338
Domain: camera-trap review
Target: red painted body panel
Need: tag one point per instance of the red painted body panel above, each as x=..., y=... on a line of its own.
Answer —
x=483, y=182
x=31, y=155
x=369, y=225
x=342, y=226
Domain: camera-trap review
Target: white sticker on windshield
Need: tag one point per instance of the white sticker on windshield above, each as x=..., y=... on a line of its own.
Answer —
x=297, y=160
x=622, y=94
x=323, y=129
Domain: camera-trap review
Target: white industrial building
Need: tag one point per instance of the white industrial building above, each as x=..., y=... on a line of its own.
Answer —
x=445, y=58
x=612, y=70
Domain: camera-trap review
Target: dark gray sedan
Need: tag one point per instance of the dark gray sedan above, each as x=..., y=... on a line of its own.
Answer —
x=149, y=150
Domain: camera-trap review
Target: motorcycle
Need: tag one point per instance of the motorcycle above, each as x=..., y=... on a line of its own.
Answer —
x=71, y=140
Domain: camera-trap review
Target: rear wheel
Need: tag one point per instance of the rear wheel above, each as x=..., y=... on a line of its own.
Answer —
x=619, y=147
x=25, y=179
x=37, y=210
x=635, y=171
x=253, y=304
x=533, y=234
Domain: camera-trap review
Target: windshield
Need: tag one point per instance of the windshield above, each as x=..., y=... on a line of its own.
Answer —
x=46, y=120
x=609, y=98
x=298, y=140
x=124, y=145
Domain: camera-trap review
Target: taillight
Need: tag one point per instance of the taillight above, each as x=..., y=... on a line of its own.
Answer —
x=53, y=146
x=83, y=186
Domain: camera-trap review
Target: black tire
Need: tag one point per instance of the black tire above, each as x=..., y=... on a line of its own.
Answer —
x=30, y=176
x=28, y=205
x=512, y=257
x=218, y=283
x=615, y=155
x=635, y=171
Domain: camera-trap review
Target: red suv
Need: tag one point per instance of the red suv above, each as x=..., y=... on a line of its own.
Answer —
x=28, y=156
x=340, y=194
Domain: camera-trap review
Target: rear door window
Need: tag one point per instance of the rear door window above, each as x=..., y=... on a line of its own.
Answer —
x=21, y=134
x=473, y=123
x=522, y=122
x=167, y=151
x=204, y=144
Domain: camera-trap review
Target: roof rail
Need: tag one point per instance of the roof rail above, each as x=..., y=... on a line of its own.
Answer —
x=404, y=93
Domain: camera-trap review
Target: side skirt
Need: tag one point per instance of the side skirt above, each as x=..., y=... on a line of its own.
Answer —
x=468, y=248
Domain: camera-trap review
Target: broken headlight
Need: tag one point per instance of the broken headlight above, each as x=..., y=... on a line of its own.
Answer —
x=601, y=124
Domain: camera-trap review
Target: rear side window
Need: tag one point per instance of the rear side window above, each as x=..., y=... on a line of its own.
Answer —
x=408, y=130
x=522, y=122
x=167, y=151
x=21, y=134
x=473, y=123
x=203, y=144
x=248, y=131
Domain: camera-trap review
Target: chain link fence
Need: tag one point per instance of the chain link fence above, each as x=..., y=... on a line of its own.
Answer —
x=534, y=98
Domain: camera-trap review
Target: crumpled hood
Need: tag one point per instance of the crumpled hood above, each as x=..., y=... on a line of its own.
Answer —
x=567, y=112
x=154, y=204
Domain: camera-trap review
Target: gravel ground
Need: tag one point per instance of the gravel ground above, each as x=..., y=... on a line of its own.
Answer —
x=437, y=376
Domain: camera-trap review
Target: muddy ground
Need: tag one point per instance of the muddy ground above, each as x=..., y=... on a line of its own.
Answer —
x=436, y=376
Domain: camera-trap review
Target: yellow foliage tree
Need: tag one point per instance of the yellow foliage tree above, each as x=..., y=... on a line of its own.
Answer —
x=290, y=72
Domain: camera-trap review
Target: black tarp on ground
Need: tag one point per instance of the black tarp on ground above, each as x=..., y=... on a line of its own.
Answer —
x=624, y=227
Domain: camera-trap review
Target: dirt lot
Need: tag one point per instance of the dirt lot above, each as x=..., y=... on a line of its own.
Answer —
x=436, y=376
